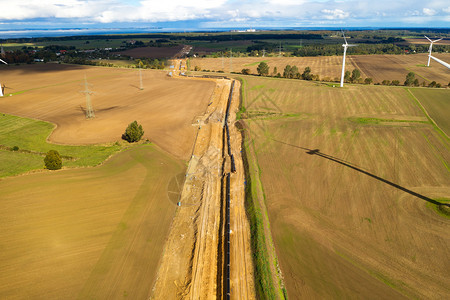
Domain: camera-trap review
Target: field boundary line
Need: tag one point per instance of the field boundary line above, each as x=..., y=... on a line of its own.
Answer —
x=428, y=116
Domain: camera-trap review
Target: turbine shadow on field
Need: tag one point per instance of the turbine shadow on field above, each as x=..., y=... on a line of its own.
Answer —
x=350, y=165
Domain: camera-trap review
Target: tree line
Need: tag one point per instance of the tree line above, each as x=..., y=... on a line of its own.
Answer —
x=292, y=72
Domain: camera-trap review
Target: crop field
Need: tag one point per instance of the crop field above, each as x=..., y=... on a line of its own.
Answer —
x=166, y=107
x=378, y=67
x=95, y=233
x=437, y=104
x=325, y=66
x=356, y=182
x=395, y=67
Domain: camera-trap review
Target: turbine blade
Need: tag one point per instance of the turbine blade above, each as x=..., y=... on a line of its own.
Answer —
x=351, y=45
x=438, y=40
x=441, y=61
x=3, y=61
x=428, y=38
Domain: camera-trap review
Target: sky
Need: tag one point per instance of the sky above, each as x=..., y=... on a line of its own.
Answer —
x=202, y=14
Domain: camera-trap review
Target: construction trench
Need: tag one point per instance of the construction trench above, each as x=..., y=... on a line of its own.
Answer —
x=207, y=254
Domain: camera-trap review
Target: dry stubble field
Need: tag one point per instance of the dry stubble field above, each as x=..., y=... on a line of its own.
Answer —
x=93, y=233
x=378, y=67
x=348, y=177
x=51, y=92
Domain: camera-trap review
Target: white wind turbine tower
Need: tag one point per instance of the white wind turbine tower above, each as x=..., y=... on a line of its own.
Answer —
x=346, y=45
x=431, y=47
x=1, y=87
x=436, y=59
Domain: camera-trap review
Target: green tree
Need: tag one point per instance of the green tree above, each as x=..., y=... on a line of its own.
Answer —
x=307, y=74
x=287, y=71
x=133, y=133
x=245, y=71
x=410, y=79
x=355, y=75
x=275, y=71
x=347, y=76
x=294, y=72
x=263, y=69
x=432, y=84
x=53, y=160
x=368, y=80
x=386, y=82
x=395, y=82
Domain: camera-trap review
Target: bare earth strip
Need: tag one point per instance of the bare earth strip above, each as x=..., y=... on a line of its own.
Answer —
x=242, y=268
x=189, y=265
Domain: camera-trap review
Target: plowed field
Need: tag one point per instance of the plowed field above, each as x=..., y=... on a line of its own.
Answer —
x=378, y=67
x=165, y=107
x=351, y=177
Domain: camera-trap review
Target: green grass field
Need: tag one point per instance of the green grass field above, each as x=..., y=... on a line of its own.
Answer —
x=437, y=104
x=31, y=138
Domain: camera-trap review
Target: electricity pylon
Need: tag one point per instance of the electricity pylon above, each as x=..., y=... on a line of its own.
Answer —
x=89, y=110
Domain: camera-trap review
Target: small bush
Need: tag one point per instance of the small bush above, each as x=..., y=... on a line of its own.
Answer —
x=53, y=160
x=133, y=133
x=15, y=148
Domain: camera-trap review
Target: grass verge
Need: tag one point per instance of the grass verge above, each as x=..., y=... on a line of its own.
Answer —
x=263, y=276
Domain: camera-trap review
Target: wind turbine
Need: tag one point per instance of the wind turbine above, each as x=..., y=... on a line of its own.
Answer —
x=346, y=45
x=2, y=86
x=431, y=47
x=436, y=59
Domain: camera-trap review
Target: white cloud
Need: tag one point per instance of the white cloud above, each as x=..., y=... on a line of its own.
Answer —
x=429, y=11
x=334, y=14
x=287, y=12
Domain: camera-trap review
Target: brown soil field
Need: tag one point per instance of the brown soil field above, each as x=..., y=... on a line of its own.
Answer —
x=95, y=233
x=424, y=41
x=152, y=52
x=350, y=200
x=166, y=107
x=378, y=67
x=325, y=66
x=395, y=67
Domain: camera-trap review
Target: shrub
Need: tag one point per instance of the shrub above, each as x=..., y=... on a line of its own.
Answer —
x=385, y=82
x=245, y=71
x=133, y=133
x=53, y=160
x=15, y=148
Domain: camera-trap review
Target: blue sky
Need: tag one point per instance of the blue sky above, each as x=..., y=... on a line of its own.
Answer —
x=203, y=14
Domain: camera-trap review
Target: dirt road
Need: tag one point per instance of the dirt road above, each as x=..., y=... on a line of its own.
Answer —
x=241, y=264
x=193, y=266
